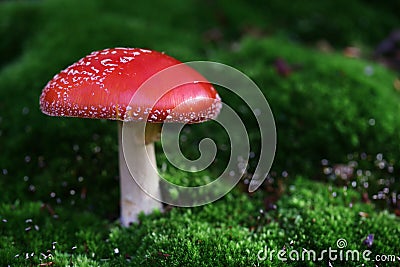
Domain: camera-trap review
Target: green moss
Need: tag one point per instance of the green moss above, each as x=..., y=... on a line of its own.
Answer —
x=231, y=231
x=324, y=108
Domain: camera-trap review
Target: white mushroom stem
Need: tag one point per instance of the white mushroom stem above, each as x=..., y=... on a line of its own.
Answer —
x=140, y=157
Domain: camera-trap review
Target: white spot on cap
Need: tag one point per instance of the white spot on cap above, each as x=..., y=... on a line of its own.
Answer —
x=105, y=62
x=126, y=59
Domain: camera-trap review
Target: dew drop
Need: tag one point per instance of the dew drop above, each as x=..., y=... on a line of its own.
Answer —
x=371, y=122
x=381, y=165
x=183, y=138
x=25, y=111
x=386, y=190
x=327, y=170
x=369, y=70
x=390, y=169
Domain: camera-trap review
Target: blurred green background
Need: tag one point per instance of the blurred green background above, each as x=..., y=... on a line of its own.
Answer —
x=330, y=72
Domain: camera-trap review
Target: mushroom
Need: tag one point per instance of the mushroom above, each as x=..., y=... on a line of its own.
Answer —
x=108, y=84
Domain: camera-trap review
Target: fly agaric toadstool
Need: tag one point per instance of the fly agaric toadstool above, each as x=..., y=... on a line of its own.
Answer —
x=102, y=85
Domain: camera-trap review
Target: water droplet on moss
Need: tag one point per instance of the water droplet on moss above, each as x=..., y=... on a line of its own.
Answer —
x=369, y=70
x=381, y=165
x=371, y=122
x=386, y=190
x=96, y=149
x=75, y=147
x=25, y=111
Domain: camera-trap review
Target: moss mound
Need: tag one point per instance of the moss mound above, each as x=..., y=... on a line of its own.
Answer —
x=230, y=232
x=325, y=105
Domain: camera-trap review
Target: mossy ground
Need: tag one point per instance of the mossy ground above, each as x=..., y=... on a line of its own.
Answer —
x=59, y=177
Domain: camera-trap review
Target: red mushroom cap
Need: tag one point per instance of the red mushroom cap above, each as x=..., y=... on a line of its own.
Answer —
x=102, y=85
